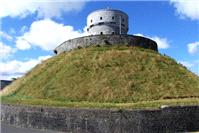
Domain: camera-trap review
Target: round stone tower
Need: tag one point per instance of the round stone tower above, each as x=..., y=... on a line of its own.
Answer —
x=106, y=27
x=107, y=21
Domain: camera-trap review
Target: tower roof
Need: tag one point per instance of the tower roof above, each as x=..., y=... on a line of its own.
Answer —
x=107, y=9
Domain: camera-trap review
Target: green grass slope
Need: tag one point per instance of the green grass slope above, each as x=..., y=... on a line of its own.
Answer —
x=117, y=74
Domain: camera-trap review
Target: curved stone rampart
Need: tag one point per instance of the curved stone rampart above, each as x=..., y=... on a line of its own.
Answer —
x=106, y=40
x=169, y=119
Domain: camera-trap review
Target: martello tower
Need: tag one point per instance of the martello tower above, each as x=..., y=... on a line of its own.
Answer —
x=106, y=27
x=107, y=21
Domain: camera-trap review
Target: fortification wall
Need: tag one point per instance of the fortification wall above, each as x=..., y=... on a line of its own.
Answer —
x=170, y=119
x=106, y=40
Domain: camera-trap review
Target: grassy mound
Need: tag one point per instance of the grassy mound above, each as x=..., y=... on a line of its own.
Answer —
x=117, y=74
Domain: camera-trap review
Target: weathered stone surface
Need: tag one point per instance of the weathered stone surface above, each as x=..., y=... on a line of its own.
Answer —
x=106, y=40
x=107, y=21
x=171, y=119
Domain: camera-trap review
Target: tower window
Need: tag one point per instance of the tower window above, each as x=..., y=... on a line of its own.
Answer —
x=122, y=20
x=91, y=20
x=101, y=33
x=91, y=25
x=100, y=18
x=113, y=33
x=113, y=22
x=101, y=23
x=113, y=18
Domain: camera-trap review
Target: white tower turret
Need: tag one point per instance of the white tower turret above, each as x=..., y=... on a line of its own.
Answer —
x=107, y=21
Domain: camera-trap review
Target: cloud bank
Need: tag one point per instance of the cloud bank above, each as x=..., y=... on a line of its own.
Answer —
x=162, y=43
x=193, y=48
x=5, y=51
x=192, y=65
x=12, y=69
x=43, y=8
x=5, y=36
x=187, y=8
x=46, y=34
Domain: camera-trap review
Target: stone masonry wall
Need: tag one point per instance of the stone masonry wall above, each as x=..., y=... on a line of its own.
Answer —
x=107, y=21
x=106, y=40
x=170, y=119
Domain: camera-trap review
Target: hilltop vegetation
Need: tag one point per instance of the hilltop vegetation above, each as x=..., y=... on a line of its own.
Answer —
x=117, y=74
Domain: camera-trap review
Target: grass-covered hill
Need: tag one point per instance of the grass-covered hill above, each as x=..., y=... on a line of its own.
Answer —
x=117, y=74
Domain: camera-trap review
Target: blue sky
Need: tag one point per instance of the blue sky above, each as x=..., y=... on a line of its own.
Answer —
x=30, y=30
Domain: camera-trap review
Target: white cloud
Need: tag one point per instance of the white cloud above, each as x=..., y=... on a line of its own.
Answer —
x=5, y=51
x=42, y=58
x=5, y=35
x=187, y=8
x=14, y=68
x=193, y=47
x=23, y=29
x=138, y=34
x=43, y=9
x=162, y=43
x=47, y=34
x=22, y=44
x=192, y=65
x=188, y=64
